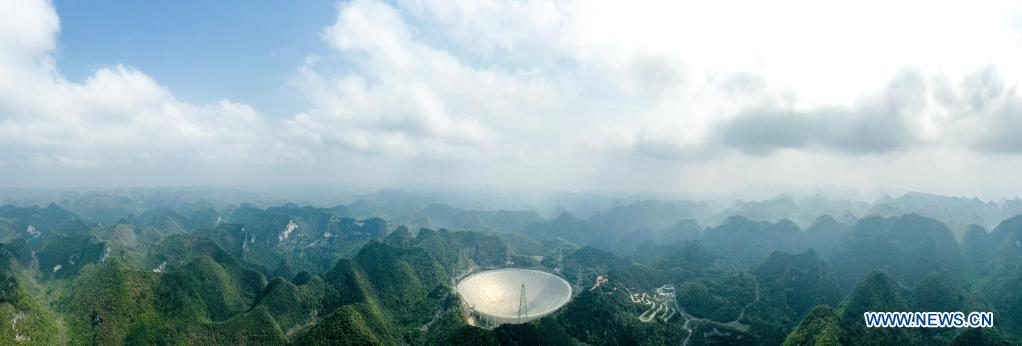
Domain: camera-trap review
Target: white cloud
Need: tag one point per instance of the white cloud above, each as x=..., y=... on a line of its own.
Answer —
x=567, y=94
x=589, y=88
x=27, y=30
x=118, y=115
x=596, y=75
x=398, y=95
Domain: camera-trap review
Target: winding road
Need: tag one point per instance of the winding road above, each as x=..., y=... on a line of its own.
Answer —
x=689, y=318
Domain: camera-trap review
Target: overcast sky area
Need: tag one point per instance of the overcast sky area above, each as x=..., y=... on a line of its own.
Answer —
x=632, y=96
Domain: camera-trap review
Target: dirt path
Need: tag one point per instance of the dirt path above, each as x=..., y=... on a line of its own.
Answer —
x=309, y=322
x=436, y=316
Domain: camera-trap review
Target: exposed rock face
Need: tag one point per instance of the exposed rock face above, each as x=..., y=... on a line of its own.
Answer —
x=291, y=227
x=31, y=231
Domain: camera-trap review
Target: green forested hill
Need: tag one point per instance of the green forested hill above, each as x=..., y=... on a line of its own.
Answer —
x=907, y=247
x=820, y=327
x=306, y=275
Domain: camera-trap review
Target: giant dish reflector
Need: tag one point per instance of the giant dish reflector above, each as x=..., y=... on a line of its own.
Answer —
x=495, y=296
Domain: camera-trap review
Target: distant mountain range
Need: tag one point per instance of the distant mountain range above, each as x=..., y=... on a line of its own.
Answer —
x=119, y=269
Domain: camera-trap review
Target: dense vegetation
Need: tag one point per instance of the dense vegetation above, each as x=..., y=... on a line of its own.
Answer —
x=119, y=270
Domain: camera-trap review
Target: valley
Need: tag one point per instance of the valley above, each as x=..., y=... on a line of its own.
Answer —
x=312, y=275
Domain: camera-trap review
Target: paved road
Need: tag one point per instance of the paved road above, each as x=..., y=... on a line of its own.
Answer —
x=689, y=318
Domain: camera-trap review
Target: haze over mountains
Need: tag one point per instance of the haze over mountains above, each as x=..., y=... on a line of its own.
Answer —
x=457, y=208
x=715, y=172
x=159, y=265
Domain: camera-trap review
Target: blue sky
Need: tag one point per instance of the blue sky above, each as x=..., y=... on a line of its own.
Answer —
x=203, y=50
x=636, y=96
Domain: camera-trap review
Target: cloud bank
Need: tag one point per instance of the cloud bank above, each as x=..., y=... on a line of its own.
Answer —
x=562, y=94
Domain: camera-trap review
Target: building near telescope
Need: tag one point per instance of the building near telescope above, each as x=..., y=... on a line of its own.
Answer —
x=501, y=296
